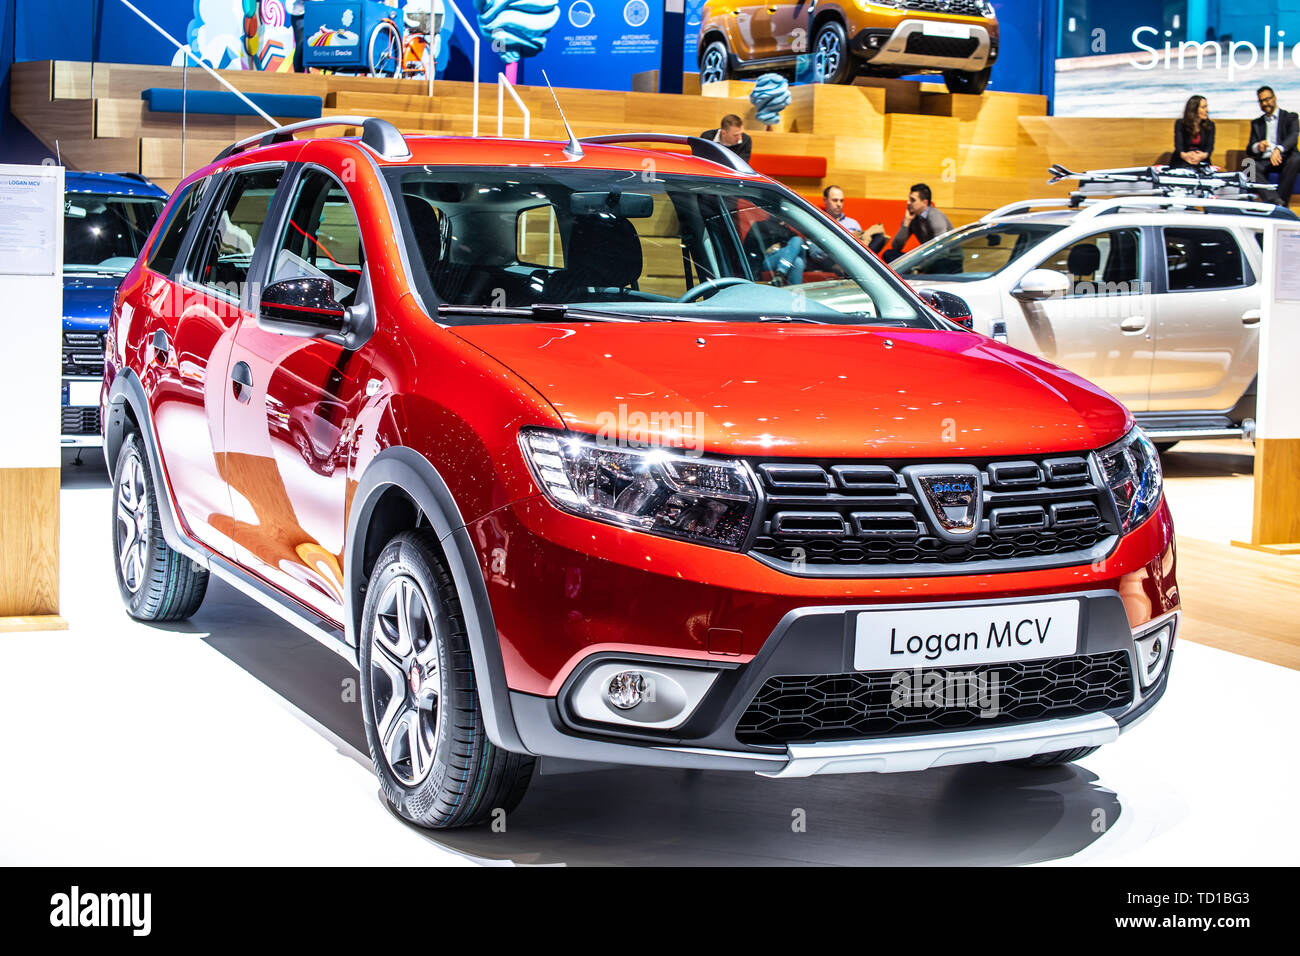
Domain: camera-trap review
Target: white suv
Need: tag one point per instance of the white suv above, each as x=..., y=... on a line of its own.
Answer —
x=1154, y=298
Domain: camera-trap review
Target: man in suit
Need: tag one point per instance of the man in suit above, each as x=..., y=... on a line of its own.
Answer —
x=731, y=134
x=922, y=220
x=1273, y=144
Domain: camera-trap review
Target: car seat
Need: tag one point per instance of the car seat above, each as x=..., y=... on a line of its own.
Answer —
x=602, y=256
x=1083, y=262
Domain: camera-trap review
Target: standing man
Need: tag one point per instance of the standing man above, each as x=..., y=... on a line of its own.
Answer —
x=1273, y=144
x=731, y=134
x=922, y=220
x=833, y=203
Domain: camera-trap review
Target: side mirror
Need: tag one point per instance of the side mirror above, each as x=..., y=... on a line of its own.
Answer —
x=306, y=307
x=951, y=307
x=1040, y=284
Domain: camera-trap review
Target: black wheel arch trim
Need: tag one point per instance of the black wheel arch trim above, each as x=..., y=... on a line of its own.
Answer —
x=410, y=472
x=127, y=392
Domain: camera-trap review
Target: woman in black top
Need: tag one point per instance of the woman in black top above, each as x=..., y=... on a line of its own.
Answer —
x=1193, y=135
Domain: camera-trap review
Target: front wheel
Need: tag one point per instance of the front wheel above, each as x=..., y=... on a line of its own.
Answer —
x=832, y=62
x=960, y=82
x=419, y=701
x=713, y=64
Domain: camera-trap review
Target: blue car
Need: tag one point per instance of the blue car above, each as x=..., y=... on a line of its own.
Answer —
x=106, y=219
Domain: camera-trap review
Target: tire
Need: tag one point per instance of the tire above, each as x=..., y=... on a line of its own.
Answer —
x=974, y=83
x=1055, y=758
x=715, y=66
x=832, y=62
x=384, y=51
x=156, y=583
x=441, y=771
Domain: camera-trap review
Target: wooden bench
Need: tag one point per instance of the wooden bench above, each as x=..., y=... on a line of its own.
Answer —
x=225, y=103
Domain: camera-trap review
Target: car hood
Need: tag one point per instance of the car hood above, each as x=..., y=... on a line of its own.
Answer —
x=88, y=300
x=804, y=390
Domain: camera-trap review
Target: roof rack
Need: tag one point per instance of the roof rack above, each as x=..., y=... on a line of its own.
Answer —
x=379, y=134
x=700, y=147
x=1200, y=181
x=1103, y=191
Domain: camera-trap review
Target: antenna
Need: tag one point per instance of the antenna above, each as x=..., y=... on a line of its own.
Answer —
x=573, y=149
x=58, y=157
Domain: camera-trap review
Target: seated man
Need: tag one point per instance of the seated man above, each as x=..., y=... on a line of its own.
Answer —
x=833, y=203
x=1273, y=144
x=731, y=134
x=923, y=220
x=785, y=254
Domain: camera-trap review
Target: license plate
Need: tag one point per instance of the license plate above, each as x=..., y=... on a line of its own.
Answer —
x=83, y=393
x=959, y=31
x=909, y=638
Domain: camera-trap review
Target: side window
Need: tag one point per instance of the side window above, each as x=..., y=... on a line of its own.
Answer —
x=172, y=232
x=1259, y=237
x=1106, y=263
x=222, y=259
x=322, y=236
x=1202, y=259
x=537, y=238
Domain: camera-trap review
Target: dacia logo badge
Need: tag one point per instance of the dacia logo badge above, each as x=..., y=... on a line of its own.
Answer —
x=954, y=501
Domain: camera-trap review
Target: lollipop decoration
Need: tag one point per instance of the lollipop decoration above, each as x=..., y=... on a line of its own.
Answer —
x=771, y=94
x=517, y=27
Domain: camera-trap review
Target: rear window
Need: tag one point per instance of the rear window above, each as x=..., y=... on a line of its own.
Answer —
x=1198, y=259
x=179, y=216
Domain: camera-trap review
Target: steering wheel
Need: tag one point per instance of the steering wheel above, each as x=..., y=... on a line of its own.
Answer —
x=709, y=287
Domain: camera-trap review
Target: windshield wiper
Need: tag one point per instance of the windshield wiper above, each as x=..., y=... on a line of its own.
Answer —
x=549, y=313
x=789, y=318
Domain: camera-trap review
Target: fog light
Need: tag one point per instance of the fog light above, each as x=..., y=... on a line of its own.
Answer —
x=1153, y=652
x=626, y=689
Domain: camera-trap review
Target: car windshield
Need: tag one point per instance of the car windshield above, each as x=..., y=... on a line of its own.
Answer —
x=975, y=252
x=492, y=245
x=103, y=233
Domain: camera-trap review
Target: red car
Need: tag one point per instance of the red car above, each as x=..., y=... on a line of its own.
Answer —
x=633, y=457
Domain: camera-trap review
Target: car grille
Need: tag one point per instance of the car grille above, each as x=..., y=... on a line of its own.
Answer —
x=80, y=420
x=853, y=706
x=842, y=518
x=965, y=8
x=83, y=353
x=957, y=48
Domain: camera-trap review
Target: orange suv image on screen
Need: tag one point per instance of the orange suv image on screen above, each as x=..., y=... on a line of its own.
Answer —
x=958, y=38
x=575, y=463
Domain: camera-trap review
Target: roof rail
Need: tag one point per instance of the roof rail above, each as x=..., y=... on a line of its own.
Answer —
x=1024, y=206
x=379, y=134
x=1202, y=182
x=700, y=147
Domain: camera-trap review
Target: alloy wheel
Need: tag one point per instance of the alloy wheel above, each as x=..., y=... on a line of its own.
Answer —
x=713, y=69
x=132, y=525
x=406, y=680
x=826, y=58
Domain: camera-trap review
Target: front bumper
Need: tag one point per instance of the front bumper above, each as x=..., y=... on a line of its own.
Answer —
x=819, y=641
x=909, y=45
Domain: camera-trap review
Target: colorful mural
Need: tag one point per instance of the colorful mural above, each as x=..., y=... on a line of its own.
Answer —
x=241, y=34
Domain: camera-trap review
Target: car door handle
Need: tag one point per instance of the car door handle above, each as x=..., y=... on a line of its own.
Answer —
x=1134, y=323
x=161, y=347
x=1251, y=318
x=242, y=376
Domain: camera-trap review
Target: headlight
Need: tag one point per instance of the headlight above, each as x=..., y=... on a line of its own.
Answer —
x=1131, y=468
x=705, y=500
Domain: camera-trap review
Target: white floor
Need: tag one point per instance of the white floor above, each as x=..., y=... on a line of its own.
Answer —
x=233, y=740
